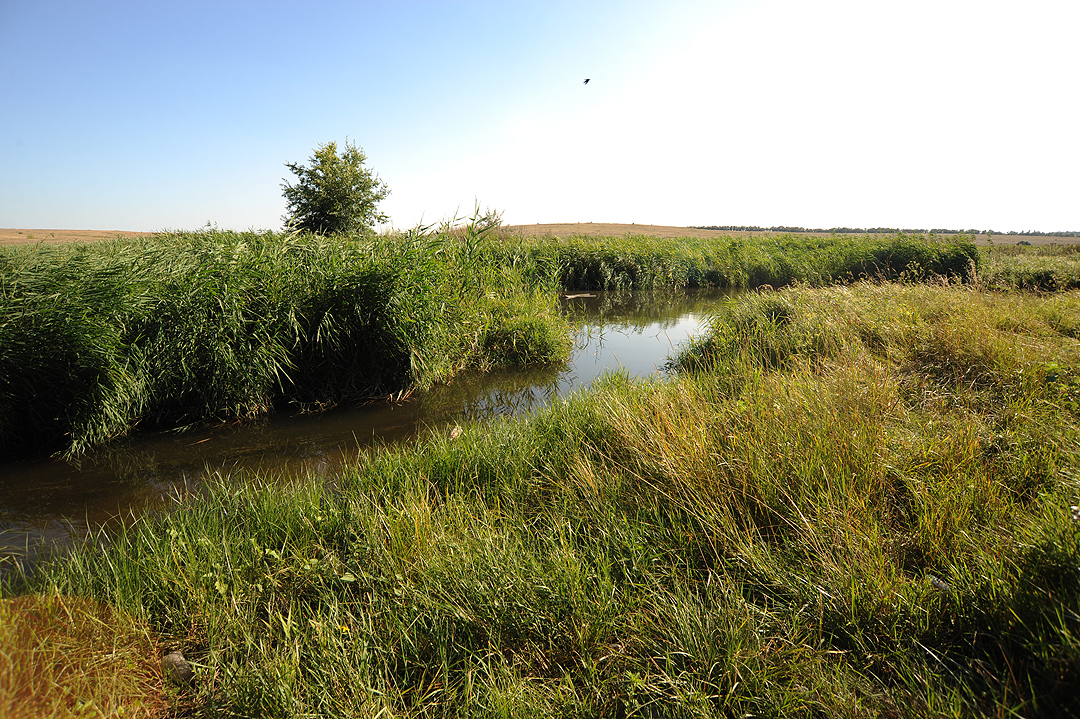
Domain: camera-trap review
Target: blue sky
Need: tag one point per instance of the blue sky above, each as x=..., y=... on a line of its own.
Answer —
x=154, y=115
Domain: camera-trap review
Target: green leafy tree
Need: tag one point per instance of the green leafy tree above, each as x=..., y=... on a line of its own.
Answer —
x=335, y=193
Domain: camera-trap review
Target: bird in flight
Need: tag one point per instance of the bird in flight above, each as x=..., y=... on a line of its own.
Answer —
x=587, y=80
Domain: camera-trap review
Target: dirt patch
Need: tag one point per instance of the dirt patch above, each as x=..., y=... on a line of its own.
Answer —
x=14, y=236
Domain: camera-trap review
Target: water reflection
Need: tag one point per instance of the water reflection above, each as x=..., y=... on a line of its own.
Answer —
x=54, y=500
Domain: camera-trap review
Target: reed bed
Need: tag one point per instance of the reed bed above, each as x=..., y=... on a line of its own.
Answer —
x=851, y=501
x=1048, y=268
x=183, y=328
x=643, y=262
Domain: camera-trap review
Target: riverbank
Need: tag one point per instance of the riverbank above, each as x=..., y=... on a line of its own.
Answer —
x=181, y=329
x=647, y=262
x=56, y=502
x=854, y=500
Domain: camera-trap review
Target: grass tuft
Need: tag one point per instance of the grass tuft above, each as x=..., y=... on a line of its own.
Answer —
x=72, y=657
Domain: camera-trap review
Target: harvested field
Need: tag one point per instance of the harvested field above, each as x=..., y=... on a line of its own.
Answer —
x=14, y=236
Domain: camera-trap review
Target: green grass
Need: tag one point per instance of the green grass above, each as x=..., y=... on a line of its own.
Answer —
x=641, y=262
x=1046, y=269
x=218, y=326
x=187, y=328
x=852, y=501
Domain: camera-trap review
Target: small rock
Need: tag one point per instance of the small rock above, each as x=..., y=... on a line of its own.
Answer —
x=939, y=584
x=177, y=670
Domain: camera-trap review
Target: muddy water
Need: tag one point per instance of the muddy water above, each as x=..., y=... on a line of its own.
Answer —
x=57, y=501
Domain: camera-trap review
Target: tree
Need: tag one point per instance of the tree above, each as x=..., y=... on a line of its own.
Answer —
x=336, y=193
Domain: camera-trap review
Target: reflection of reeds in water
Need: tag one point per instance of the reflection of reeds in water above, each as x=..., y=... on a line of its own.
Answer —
x=638, y=309
x=504, y=392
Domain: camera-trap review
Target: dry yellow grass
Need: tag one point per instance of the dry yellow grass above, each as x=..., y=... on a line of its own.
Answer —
x=73, y=657
x=15, y=236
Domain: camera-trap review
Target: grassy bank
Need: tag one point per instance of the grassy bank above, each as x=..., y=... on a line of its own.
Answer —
x=183, y=328
x=1044, y=269
x=853, y=501
x=642, y=262
x=176, y=329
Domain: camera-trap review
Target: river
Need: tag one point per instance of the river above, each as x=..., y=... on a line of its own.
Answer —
x=50, y=502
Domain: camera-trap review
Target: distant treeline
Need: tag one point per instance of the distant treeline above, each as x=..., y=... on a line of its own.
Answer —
x=890, y=230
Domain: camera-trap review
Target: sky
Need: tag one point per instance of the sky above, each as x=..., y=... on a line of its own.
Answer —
x=145, y=116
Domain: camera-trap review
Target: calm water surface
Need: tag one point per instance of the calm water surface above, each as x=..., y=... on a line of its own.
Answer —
x=57, y=501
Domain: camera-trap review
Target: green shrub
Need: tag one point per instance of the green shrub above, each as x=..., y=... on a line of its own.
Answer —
x=336, y=194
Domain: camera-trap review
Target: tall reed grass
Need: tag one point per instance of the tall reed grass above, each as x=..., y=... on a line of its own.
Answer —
x=642, y=262
x=1047, y=268
x=219, y=326
x=852, y=501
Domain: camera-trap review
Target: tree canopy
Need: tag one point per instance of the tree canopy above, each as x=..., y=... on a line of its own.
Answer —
x=335, y=193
